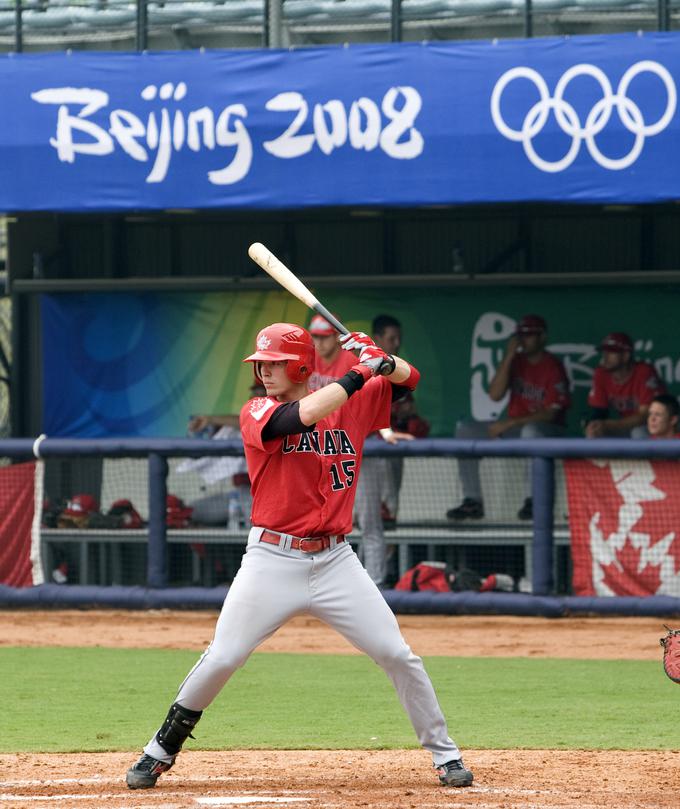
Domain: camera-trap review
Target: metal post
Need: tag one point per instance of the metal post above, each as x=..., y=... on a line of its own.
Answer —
x=157, y=550
x=18, y=27
x=395, y=21
x=528, y=19
x=275, y=23
x=543, y=496
x=142, y=29
x=265, y=25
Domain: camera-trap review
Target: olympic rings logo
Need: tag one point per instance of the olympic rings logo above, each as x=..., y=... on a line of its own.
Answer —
x=566, y=116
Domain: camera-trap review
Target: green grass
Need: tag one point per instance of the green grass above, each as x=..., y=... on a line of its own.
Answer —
x=86, y=699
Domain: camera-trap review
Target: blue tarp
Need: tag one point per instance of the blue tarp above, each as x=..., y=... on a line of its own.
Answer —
x=583, y=119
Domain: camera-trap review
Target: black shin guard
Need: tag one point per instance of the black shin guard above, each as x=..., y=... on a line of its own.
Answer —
x=177, y=728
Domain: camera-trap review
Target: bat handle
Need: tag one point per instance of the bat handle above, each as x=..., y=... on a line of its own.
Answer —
x=321, y=309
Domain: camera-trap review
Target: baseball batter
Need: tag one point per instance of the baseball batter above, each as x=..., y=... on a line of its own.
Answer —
x=304, y=453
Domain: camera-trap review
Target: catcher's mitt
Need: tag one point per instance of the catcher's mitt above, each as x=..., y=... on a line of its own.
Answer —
x=671, y=653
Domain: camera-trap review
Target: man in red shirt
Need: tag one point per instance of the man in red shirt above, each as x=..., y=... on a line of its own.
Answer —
x=662, y=416
x=622, y=385
x=378, y=488
x=331, y=362
x=539, y=398
x=304, y=453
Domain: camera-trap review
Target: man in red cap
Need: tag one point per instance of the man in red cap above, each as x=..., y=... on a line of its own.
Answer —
x=539, y=398
x=623, y=385
x=331, y=362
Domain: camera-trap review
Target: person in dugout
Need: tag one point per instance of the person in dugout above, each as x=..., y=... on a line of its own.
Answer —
x=621, y=392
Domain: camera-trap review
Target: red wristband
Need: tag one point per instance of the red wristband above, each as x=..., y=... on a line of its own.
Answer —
x=412, y=379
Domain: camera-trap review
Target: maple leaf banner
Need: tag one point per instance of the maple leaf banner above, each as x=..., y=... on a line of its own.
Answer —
x=624, y=519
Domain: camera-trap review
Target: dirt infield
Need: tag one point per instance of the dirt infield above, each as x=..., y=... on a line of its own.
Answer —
x=345, y=779
x=526, y=779
x=464, y=636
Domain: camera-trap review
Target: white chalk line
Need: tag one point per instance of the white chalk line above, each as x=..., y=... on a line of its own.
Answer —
x=225, y=800
x=101, y=780
x=34, y=782
x=49, y=801
x=233, y=801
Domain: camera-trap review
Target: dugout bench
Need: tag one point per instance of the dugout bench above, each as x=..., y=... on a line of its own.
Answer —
x=100, y=558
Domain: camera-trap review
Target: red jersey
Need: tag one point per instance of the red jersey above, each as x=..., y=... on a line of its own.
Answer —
x=325, y=372
x=626, y=398
x=305, y=484
x=540, y=386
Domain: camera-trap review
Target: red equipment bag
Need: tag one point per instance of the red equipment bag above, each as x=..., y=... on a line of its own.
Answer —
x=425, y=576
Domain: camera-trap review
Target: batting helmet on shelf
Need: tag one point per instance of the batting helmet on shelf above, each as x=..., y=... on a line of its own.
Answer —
x=80, y=505
x=285, y=341
x=130, y=517
x=78, y=511
x=177, y=514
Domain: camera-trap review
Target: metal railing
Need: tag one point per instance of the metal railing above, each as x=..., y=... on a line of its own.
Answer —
x=274, y=18
x=540, y=533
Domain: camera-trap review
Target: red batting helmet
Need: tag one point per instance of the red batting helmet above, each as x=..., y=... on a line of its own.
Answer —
x=177, y=514
x=285, y=341
x=80, y=505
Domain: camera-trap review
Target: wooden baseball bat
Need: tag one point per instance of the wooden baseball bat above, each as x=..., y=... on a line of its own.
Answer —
x=264, y=258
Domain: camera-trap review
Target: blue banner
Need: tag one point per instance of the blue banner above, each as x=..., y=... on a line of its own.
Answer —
x=140, y=364
x=583, y=119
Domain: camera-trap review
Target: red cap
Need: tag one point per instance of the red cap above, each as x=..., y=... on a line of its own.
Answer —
x=321, y=327
x=531, y=324
x=616, y=341
x=80, y=505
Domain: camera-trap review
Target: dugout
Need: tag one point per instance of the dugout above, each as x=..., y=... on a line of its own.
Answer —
x=599, y=250
x=428, y=210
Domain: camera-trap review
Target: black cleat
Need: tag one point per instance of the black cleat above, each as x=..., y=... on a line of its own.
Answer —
x=527, y=510
x=469, y=509
x=145, y=773
x=454, y=774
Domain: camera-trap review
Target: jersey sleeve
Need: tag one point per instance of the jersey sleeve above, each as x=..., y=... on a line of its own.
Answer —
x=255, y=416
x=557, y=388
x=651, y=385
x=597, y=396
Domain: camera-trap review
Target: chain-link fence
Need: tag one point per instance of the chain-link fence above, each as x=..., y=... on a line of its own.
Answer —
x=173, y=514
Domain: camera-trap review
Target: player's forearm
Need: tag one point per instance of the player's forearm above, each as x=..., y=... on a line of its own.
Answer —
x=499, y=385
x=404, y=372
x=316, y=406
x=227, y=420
x=546, y=415
x=623, y=425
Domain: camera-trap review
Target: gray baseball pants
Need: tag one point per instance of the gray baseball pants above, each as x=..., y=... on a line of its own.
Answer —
x=275, y=584
x=468, y=468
